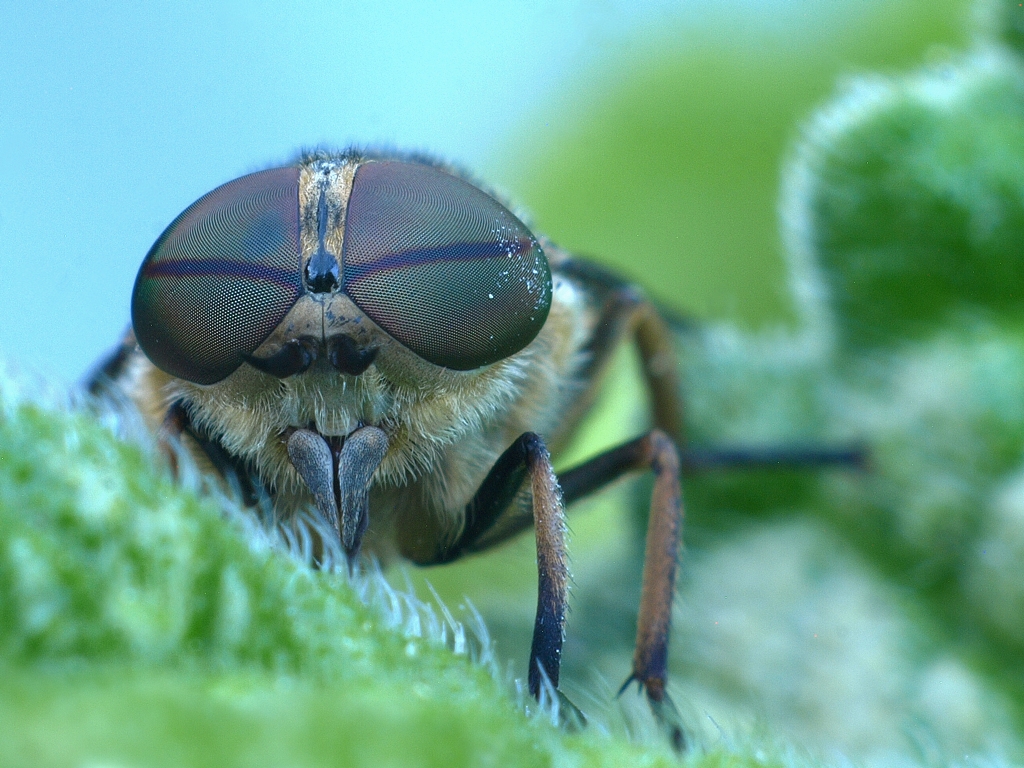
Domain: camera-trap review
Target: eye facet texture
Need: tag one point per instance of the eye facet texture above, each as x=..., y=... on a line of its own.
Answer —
x=441, y=266
x=221, y=277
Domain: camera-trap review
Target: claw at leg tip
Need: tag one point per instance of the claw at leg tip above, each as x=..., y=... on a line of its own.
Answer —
x=629, y=681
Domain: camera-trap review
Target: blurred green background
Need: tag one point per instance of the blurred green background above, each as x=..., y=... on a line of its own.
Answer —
x=664, y=161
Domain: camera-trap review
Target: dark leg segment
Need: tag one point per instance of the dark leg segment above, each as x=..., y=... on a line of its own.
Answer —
x=492, y=499
x=853, y=456
x=177, y=422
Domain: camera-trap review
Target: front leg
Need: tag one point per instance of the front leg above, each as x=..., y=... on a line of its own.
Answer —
x=552, y=565
x=526, y=460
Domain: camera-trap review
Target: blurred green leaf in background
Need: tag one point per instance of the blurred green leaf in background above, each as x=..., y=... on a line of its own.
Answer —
x=663, y=159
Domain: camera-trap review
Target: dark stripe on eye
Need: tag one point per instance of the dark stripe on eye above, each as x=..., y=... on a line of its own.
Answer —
x=222, y=268
x=452, y=252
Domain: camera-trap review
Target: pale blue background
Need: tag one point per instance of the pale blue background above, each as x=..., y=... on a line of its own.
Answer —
x=114, y=117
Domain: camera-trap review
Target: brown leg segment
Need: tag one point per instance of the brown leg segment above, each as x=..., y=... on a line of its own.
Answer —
x=497, y=500
x=175, y=422
x=528, y=457
x=552, y=567
x=655, y=343
x=623, y=313
x=664, y=528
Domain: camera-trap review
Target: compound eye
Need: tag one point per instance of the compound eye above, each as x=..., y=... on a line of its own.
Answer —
x=221, y=277
x=441, y=266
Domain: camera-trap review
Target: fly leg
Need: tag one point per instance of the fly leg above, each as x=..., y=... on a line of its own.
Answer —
x=525, y=461
x=654, y=451
x=528, y=459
